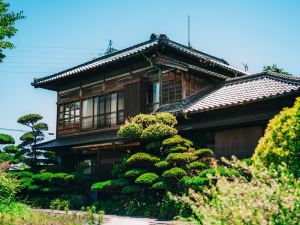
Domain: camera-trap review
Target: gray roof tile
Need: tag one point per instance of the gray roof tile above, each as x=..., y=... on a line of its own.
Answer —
x=243, y=90
x=155, y=40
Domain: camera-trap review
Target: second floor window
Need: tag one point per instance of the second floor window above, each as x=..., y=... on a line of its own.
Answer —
x=103, y=111
x=69, y=114
x=153, y=95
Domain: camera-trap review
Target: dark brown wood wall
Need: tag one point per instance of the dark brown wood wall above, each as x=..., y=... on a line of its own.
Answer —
x=171, y=87
x=240, y=142
x=134, y=99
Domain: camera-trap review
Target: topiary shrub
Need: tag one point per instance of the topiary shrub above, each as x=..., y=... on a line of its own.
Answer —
x=175, y=172
x=161, y=185
x=158, y=131
x=166, y=118
x=132, y=130
x=110, y=185
x=196, y=165
x=146, y=178
x=143, y=158
x=135, y=172
x=176, y=158
x=161, y=164
x=204, y=152
x=281, y=141
x=195, y=182
x=144, y=119
x=177, y=139
x=6, y=139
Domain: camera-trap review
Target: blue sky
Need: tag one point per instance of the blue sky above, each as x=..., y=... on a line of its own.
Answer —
x=58, y=34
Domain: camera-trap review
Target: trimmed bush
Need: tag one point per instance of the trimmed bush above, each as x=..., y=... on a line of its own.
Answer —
x=180, y=157
x=131, y=189
x=175, y=172
x=42, y=177
x=147, y=178
x=196, y=181
x=166, y=118
x=176, y=149
x=11, y=149
x=204, y=152
x=161, y=165
x=177, y=139
x=132, y=130
x=134, y=172
x=142, y=157
x=110, y=185
x=161, y=185
x=196, y=165
x=6, y=139
x=144, y=119
x=281, y=141
x=158, y=131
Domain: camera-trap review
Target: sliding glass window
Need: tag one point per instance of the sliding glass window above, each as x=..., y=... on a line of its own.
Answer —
x=103, y=111
x=68, y=115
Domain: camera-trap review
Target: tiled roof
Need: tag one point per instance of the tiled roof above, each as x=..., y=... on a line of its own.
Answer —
x=246, y=89
x=154, y=41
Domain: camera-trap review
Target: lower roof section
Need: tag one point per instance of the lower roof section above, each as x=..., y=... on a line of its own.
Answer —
x=77, y=140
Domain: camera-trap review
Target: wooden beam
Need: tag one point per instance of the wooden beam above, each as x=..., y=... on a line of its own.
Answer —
x=105, y=145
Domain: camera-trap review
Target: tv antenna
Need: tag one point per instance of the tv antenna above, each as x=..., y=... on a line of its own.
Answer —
x=189, y=32
x=245, y=67
x=110, y=48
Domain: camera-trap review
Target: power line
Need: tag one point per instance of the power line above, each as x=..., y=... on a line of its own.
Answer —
x=8, y=129
x=60, y=47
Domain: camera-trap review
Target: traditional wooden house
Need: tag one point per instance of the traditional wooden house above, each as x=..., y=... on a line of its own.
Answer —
x=217, y=106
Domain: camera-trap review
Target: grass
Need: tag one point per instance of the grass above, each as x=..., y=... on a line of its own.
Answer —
x=20, y=214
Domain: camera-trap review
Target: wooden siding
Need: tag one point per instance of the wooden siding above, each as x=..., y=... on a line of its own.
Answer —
x=193, y=83
x=135, y=100
x=171, y=87
x=240, y=142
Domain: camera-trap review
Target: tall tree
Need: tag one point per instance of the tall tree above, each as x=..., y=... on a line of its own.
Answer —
x=32, y=138
x=7, y=28
x=274, y=68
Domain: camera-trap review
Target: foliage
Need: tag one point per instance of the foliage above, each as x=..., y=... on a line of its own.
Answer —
x=175, y=172
x=275, y=69
x=135, y=172
x=142, y=157
x=110, y=185
x=281, y=141
x=6, y=139
x=131, y=130
x=157, y=131
x=146, y=178
x=60, y=204
x=160, y=165
x=30, y=140
x=8, y=188
x=8, y=30
x=269, y=197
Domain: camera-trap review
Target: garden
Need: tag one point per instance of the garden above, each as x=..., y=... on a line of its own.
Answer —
x=165, y=177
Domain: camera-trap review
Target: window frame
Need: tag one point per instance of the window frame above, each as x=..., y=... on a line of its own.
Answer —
x=73, y=119
x=153, y=105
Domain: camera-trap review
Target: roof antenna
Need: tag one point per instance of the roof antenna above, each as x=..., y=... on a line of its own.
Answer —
x=189, y=32
x=110, y=48
x=245, y=67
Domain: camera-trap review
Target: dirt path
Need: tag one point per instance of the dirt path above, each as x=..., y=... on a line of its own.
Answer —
x=118, y=220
